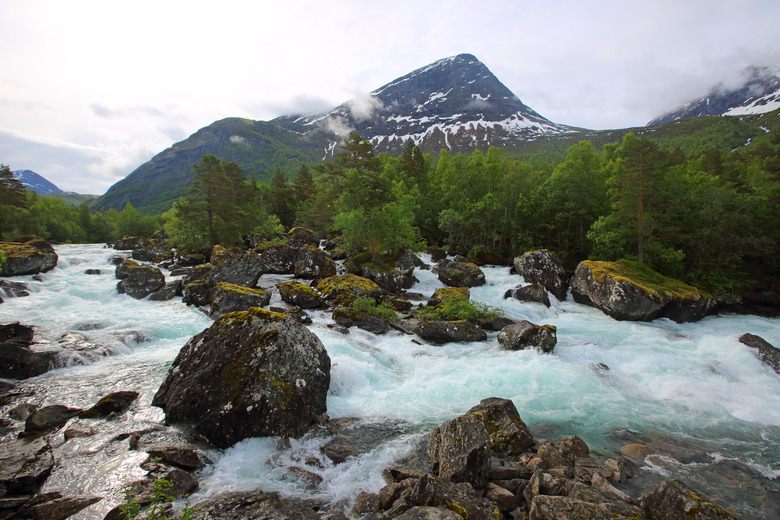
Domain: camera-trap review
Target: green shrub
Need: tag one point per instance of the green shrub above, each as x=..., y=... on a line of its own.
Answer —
x=155, y=510
x=455, y=310
x=368, y=305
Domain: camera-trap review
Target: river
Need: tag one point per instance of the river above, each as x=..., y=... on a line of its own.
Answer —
x=693, y=385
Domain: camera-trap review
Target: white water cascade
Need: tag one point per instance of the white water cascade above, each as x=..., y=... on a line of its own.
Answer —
x=691, y=384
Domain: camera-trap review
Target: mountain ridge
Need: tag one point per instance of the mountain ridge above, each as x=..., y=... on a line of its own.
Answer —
x=37, y=183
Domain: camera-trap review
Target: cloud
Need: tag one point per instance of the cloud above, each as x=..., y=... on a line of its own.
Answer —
x=299, y=104
x=336, y=124
x=477, y=104
x=237, y=139
x=364, y=106
x=101, y=110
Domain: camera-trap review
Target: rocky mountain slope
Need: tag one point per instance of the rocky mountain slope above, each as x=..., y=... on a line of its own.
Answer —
x=758, y=92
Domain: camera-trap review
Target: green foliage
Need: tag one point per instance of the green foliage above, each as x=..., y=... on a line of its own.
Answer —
x=368, y=305
x=156, y=510
x=11, y=189
x=455, y=310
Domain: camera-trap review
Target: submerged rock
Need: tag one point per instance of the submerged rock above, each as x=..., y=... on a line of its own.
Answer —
x=542, y=268
x=116, y=402
x=27, y=255
x=24, y=465
x=253, y=373
x=631, y=291
x=360, y=319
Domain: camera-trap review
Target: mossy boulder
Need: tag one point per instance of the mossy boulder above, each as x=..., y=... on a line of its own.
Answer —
x=313, y=263
x=297, y=293
x=460, y=274
x=229, y=297
x=507, y=432
x=449, y=294
x=129, y=242
x=252, y=373
x=235, y=267
x=460, y=451
x=522, y=335
x=137, y=280
x=627, y=290
x=27, y=255
x=302, y=237
x=351, y=284
x=541, y=267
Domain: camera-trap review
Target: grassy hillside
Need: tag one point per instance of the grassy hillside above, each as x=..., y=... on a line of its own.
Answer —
x=73, y=199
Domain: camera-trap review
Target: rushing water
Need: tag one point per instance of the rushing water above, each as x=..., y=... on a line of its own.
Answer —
x=691, y=384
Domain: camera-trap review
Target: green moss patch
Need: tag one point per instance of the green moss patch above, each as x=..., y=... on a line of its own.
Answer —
x=653, y=284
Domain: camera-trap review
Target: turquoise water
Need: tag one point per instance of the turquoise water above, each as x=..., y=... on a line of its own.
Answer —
x=691, y=383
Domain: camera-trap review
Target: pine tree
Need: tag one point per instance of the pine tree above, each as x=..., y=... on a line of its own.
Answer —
x=12, y=192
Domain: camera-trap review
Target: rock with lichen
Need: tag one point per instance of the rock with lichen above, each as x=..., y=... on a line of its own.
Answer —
x=229, y=297
x=27, y=255
x=251, y=374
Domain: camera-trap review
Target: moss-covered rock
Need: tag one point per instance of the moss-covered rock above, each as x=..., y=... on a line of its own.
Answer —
x=352, y=284
x=449, y=294
x=508, y=433
x=252, y=373
x=229, y=297
x=628, y=290
x=137, y=280
x=297, y=293
x=673, y=500
x=460, y=451
x=460, y=274
x=27, y=255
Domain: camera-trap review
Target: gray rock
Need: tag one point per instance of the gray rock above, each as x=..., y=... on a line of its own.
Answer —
x=236, y=268
x=169, y=291
x=49, y=417
x=27, y=255
x=14, y=289
x=278, y=259
x=253, y=373
x=255, y=504
x=540, y=267
x=460, y=451
x=673, y=500
x=525, y=334
x=768, y=354
x=115, y=402
x=360, y=319
x=529, y=293
x=24, y=465
x=460, y=274
x=54, y=506
x=441, y=332
x=508, y=433
x=138, y=281
x=231, y=298
x=314, y=263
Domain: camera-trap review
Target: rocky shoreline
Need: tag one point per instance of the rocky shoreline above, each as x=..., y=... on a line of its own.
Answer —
x=240, y=381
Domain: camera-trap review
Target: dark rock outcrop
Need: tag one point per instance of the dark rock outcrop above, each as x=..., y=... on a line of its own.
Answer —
x=24, y=465
x=116, y=403
x=228, y=297
x=441, y=332
x=128, y=242
x=460, y=274
x=302, y=237
x=235, y=267
x=525, y=334
x=17, y=359
x=11, y=289
x=768, y=354
x=278, y=259
x=138, y=281
x=27, y=255
x=508, y=434
x=49, y=417
x=540, y=267
x=252, y=373
x=602, y=285
x=353, y=318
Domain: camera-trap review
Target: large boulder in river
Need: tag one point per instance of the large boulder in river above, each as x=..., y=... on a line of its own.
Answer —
x=296, y=293
x=522, y=335
x=278, y=259
x=17, y=360
x=27, y=255
x=350, y=284
x=673, y=500
x=540, y=267
x=628, y=290
x=460, y=274
x=253, y=373
x=239, y=268
x=529, y=293
x=138, y=281
x=508, y=433
x=313, y=263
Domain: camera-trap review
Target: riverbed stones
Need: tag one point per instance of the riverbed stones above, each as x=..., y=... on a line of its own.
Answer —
x=542, y=268
x=27, y=255
x=522, y=335
x=113, y=403
x=256, y=504
x=49, y=417
x=252, y=373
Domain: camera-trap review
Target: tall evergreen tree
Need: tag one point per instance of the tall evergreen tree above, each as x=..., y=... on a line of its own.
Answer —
x=12, y=192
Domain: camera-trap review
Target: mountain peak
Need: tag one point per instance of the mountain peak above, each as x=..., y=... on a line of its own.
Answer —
x=757, y=91
x=35, y=182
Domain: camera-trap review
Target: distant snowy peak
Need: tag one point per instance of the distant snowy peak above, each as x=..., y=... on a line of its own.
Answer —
x=454, y=103
x=757, y=93
x=33, y=181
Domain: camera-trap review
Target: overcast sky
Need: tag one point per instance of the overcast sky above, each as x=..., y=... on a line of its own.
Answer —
x=90, y=90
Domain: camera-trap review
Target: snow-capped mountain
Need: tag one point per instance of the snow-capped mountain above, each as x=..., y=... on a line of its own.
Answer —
x=454, y=103
x=758, y=92
x=35, y=182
